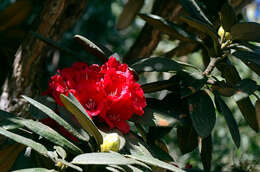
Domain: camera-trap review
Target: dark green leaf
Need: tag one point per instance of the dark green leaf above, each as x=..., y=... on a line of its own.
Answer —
x=159, y=85
x=205, y=28
x=168, y=27
x=56, y=117
x=193, y=8
x=90, y=47
x=159, y=64
x=102, y=159
x=202, y=113
x=247, y=31
x=25, y=141
x=35, y=170
x=206, y=153
x=47, y=133
x=129, y=12
x=157, y=133
x=251, y=56
x=231, y=122
x=155, y=162
x=187, y=139
x=257, y=109
x=248, y=86
x=73, y=105
x=227, y=16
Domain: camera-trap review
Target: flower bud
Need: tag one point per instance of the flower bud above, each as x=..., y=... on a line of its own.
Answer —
x=111, y=142
x=221, y=32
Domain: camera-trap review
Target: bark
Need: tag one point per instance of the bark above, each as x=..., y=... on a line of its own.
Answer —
x=56, y=17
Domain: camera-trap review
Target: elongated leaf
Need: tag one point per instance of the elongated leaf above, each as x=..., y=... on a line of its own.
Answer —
x=187, y=139
x=257, y=109
x=25, y=141
x=247, y=31
x=205, y=28
x=129, y=12
x=227, y=16
x=231, y=122
x=202, y=113
x=251, y=56
x=35, y=170
x=9, y=155
x=73, y=105
x=15, y=14
x=159, y=85
x=56, y=117
x=247, y=86
x=193, y=8
x=102, y=159
x=206, y=153
x=155, y=162
x=159, y=64
x=69, y=164
x=168, y=27
x=48, y=133
x=90, y=47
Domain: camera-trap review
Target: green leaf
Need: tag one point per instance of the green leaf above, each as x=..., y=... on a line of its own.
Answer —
x=159, y=85
x=202, y=113
x=231, y=122
x=56, y=117
x=247, y=86
x=257, y=109
x=168, y=27
x=206, y=153
x=251, y=56
x=48, y=133
x=187, y=139
x=102, y=159
x=193, y=8
x=60, y=151
x=129, y=12
x=159, y=64
x=73, y=105
x=227, y=16
x=35, y=170
x=247, y=31
x=205, y=28
x=155, y=162
x=90, y=47
x=25, y=141
x=69, y=164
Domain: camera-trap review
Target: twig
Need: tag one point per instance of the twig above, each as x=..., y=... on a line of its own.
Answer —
x=212, y=64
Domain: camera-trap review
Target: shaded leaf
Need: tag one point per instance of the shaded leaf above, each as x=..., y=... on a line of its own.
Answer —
x=159, y=85
x=251, y=56
x=202, y=113
x=25, y=141
x=73, y=105
x=9, y=155
x=167, y=27
x=15, y=14
x=90, y=47
x=257, y=109
x=205, y=28
x=129, y=12
x=227, y=16
x=159, y=64
x=193, y=8
x=155, y=162
x=247, y=31
x=206, y=153
x=56, y=117
x=187, y=139
x=247, y=86
x=231, y=122
x=102, y=159
x=48, y=133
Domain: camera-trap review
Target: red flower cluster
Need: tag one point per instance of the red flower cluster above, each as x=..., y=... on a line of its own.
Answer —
x=108, y=91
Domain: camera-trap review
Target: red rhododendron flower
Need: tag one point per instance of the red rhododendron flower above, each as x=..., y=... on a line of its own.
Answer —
x=108, y=91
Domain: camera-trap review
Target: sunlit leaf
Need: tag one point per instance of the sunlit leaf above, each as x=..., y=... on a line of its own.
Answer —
x=25, y=141
x=35, y=170
x=73, y=105
x=56, y=117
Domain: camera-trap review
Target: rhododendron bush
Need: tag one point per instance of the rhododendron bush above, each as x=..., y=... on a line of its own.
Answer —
x=90, y=112
x=108, y=92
